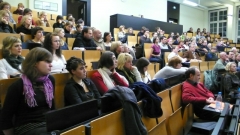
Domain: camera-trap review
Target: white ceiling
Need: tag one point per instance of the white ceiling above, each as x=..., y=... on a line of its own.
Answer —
x=210, y=3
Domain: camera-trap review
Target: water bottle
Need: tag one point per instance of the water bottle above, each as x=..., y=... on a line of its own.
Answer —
x=219, y=102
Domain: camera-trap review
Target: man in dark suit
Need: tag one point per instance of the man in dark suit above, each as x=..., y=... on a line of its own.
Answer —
x=191, y=54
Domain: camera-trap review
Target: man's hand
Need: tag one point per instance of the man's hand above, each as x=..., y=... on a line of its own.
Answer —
x=210, y=100
x=99, y=48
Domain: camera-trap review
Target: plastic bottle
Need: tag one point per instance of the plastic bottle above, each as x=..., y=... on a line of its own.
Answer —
x=219, y=102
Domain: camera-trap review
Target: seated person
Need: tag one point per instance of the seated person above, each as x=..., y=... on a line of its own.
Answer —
x=155, y=55
x=141, y=33
x=191, y=55
x=121, y=33
x=231, y=56
x=30, y=97
x=195, y=92
x=10, y=65
x=4, y=22
x=78, y=89
x=128, y=49
x=107, y=39
x=68, y=27
x=234, y=50
x=173, y=68
x=78, y=30
x=117, y=48
x=237, y=61
x=145, y=38
x=106, y=76
x=52, y=44
x=163, y=45
x=221, y=63
x=43, y=21
x=25, y=25
x=60, y=33
x=85, y=40
x=142, y=66
x=211, y=55
x=59, y=22
x=190, y=30
x=126, y=69
x=130, y=32
x=231, y=80
x=97, y=38
x=6, y=6
x=174, y=52
x=37, y=35
x=19, y=10
x=26, y=11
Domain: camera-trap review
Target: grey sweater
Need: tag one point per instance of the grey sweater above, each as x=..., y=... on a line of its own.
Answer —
x=169, y=71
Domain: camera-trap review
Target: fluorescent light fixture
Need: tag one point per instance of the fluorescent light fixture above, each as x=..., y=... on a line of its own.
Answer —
x=190, y=3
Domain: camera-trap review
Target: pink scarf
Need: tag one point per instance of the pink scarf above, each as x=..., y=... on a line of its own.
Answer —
x=29, y=92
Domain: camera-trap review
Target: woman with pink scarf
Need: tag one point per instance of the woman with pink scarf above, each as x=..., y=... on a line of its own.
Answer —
x=30, y=97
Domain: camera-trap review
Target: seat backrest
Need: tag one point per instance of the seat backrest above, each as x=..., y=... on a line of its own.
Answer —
x=159, y=128
x=108, y=124
x=175, y=124
x=176, y=96
x=27, y=37
x=25, y=52
x=132, y=40
x=165, y=105
x=147, y=50
x=90, y=73
x=4, y=35
x=151, y=70
x=60, y=82
x=188, y=116
x=70, y=42
x=166, y=56
x=70, y=53
x=194, y=64
x=115, y=31
x=91, y=56
x=211, y=64
x=189, y=35
x=15, y=17
x=80, y=130
x=203, y=66
x=47, y=29
x=148, y=122
x=4, y=85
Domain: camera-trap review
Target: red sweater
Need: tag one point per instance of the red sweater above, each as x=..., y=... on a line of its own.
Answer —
x=20, y=18
x=195, y=94
x=98, y=81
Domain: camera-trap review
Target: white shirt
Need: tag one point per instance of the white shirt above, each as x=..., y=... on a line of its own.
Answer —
x=163, y=46
x=6, y=69
x=172, y=54
x=58, y=65
x=146, y=78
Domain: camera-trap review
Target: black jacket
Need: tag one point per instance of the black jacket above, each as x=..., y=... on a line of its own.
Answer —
x=74, y=93
x=81, y=41
x=131, y=112
x=58, y=25
x=24, y=30
x=6, y=28
x=231, y=84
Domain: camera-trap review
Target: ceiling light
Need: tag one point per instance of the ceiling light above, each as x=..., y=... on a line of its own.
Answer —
x=190, y=3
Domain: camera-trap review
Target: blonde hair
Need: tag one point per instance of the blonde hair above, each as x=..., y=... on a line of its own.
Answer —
x=120, y=27
x=43, y=12
x=115, y=45
x=8, y=44
x=2, y=13
x=24, y=18
x=122, y=59
x=228, y=66
x=57, y=31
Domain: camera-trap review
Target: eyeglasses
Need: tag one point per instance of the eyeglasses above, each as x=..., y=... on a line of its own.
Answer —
x=56, y=41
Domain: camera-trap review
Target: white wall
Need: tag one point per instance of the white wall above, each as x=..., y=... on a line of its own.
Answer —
x=192, y=17
x=101, y=10
x=30, y=4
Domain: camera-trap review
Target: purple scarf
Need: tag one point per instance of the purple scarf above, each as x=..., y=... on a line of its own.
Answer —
x=29, y=92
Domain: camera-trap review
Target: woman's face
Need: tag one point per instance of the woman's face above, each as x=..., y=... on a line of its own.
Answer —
x=179, y=65
x=145, y=69
x=28, y=20
x=55, y=42
x=69, y=27
x=128, y=64
x=16, y=49
x=44, y=16
x=44, y=67
x=120, y=49
x=233, y=68
x=109, y=37
x=39, y=34
x=130, y=31
x=157, y=40
x=80, y=72
x=6, y=17
x=61, y=34
x=6, y=7
x=114, y=61
x=80, y=29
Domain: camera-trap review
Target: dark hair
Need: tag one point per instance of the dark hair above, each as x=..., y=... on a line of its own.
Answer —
x=47, y=44
x=26, y=10
x=141, y=63
x=73, y=63
x=34, y=31
x=154, y=39
x=105, y=35
x=157, y=28
x=68, y=16
x=191, y=70
x=59, y=17
x=106, y=60
x=35, y=55
x=80, y=21
x=161, y=38
x=146, y=29
x=85, y=30
x=174, y=61
x=3, y=4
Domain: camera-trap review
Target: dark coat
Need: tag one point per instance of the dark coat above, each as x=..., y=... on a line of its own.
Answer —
x=6, y=28
x=231, y=83
x=24, y=30
x=74, y=93
x=81, y=41
x=131, y=112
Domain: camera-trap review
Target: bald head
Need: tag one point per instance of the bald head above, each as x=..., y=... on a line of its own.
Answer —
x=223, y=56
x=97, y=34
